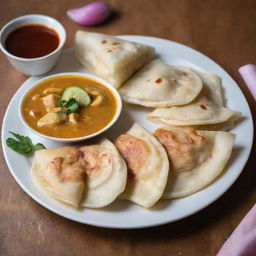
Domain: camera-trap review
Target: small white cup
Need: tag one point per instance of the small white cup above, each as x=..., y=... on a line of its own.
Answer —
x=33, y=66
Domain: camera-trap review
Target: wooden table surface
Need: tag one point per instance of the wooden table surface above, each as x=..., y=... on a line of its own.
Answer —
x=225, y=31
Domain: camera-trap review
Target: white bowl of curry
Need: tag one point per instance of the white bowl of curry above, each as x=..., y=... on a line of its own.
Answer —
x=70, y=107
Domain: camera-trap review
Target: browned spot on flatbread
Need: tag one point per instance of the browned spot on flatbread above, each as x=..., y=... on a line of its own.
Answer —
x=56, y=165
x=134, y=151
x=159, y=81
x=68, y=168
x=190, y=140
x=202, y=106
x=185, y=149
x=95, y=162
x=91, y=159
x=197, y=134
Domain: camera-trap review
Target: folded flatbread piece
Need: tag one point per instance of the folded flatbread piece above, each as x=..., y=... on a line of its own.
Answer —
x=206, y=111
x=212, y=88
x=60, y=173
x=109, y=57
x=161, y=85
x=89, y=176
x=197, y=158
x=200, y=112
x=106, y=174
x=147, y=163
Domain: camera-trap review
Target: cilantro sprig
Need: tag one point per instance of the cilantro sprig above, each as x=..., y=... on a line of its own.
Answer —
x=71, y=106
x=23, y=144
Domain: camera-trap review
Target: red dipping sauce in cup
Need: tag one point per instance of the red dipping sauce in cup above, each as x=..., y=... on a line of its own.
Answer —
x=32, y=41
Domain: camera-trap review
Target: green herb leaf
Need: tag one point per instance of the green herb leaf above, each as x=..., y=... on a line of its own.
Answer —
x=23, y=144
x=63, y=103
x=71, y=105
x=38, y=146
x=22, y=139
x=18, y=147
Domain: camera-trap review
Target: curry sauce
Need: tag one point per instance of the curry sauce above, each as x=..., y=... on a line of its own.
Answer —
x=90, y=119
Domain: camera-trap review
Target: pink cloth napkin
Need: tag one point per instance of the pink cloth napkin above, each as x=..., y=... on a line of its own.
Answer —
x=242, y=242
x=248, y=72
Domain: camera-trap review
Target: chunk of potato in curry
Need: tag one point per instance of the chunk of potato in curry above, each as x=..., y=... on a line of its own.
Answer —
x=89, y=119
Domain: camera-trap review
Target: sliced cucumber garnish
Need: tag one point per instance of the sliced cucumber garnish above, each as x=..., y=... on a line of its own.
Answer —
x=78, y=93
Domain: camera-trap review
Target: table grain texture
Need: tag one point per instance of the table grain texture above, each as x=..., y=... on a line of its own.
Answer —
x=224, y=30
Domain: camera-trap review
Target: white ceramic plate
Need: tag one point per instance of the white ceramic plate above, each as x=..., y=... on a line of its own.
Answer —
x=122, y=214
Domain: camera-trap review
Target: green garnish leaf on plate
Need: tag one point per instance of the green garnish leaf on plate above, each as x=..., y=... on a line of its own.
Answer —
x=23, y=144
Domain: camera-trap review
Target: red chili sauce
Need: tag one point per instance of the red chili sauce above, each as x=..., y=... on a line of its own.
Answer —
x=32, y=41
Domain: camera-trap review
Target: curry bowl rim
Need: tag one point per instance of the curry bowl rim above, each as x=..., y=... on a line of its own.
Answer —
x=113, y=90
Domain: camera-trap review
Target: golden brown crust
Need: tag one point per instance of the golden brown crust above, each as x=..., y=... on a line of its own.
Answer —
x=68, y=169
x=134, y=151
x=185, y=149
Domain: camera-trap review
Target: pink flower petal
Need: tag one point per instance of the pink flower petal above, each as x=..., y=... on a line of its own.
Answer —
x=248, y=73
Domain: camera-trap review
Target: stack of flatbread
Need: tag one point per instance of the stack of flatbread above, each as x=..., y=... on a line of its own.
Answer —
x=89, y=176
x=109, y=57
x=141, y=167
x=186, y=154
x=182, y=96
